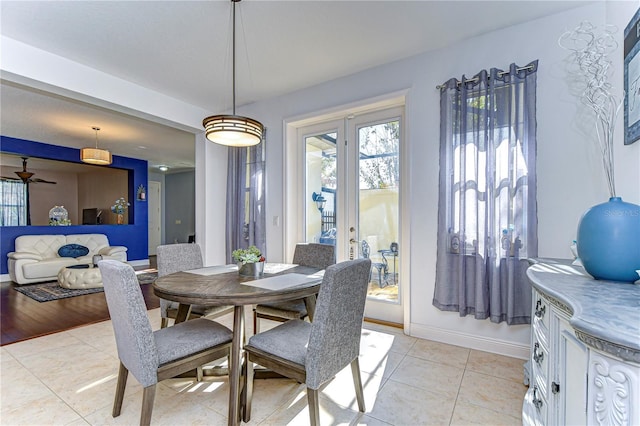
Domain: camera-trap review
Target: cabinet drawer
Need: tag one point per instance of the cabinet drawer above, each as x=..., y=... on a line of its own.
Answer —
x=540, y=371
x=534, y=408
x=541, y=312
x=540, y=336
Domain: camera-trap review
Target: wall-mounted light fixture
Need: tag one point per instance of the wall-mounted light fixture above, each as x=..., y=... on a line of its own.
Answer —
x=319, y=200
x=320, y=203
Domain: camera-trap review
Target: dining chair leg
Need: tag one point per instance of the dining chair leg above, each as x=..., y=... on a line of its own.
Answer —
x=314, y=406
x=148, y=395
x=199, y=374
x=248, y=389
x=255, y=321
x=357, y=382
x=123, y=373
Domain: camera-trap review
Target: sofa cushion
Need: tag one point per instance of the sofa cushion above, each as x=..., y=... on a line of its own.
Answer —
x=45, y=246
x=94, y=242
x=73, y=250
x=47, y=269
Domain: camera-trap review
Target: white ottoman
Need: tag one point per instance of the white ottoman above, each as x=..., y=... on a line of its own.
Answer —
x=71, y=277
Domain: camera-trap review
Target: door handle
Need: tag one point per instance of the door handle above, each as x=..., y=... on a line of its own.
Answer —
x=354, y=241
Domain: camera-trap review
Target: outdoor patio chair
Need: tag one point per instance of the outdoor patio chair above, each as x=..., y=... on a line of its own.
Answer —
x=381, y=267
x=313, y=353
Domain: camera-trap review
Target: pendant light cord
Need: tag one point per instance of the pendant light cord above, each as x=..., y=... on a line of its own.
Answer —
x=96, y=129
x=233, y=56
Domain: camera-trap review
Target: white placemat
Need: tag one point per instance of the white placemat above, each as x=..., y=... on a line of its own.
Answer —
x=214, y=270
x=280, y=282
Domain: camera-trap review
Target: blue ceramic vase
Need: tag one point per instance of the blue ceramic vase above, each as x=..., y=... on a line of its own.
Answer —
x=609, y=241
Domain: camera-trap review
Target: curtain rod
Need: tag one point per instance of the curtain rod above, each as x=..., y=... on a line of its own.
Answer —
x=500, y=74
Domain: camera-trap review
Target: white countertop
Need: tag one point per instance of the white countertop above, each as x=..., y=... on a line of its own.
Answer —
x=605, y=314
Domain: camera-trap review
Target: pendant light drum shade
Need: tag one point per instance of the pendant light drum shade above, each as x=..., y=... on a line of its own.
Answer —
x=233, y=130
x=101, y=157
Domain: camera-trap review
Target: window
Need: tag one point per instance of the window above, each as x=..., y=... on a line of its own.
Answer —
x=14, y=203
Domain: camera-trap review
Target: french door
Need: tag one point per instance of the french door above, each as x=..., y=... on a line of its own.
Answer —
x=352, y=198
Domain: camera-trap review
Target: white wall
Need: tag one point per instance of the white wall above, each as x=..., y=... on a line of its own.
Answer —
x=570, y=177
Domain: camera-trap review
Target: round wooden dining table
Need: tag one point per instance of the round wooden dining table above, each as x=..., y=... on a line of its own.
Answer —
x=223, y=286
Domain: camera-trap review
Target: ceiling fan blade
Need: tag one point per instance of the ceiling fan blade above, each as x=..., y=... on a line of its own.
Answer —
x=8, y=178
x=37, y=180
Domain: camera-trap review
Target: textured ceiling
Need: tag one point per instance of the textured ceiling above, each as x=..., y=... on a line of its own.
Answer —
x=182, y=49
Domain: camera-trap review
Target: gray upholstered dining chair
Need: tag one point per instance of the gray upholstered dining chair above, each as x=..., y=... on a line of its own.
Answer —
x=152, y=356
x=312, y=353
x=183, y=257
x=305, y=254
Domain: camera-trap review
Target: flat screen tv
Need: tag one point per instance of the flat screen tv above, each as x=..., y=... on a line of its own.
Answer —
x=90, y=216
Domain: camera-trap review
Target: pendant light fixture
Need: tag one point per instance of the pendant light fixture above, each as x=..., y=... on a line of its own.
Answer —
x=233, y=130
x=98, y=156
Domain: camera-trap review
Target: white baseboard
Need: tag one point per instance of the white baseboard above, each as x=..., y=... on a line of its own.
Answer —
x=457, y=338
x=5, y=277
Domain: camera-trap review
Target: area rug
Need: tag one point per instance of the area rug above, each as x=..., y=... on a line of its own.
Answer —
x=45, y=292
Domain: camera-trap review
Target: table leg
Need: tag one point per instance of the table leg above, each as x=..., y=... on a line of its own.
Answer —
x=183, y=313
x=310, y=304
x=236, y=365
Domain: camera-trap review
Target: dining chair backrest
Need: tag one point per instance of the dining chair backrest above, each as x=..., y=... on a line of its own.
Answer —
x=334, y=341
x=175, y=258
x=178, y=257
x=314, y=254
x=131, y=326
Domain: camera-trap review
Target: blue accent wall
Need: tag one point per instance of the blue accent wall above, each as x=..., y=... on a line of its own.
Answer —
x=135, y=236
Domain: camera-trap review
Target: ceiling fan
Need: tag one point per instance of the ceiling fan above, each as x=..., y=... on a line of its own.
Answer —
x=25, y=176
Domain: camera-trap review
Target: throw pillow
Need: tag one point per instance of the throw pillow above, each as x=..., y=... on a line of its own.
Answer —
x=73, y=250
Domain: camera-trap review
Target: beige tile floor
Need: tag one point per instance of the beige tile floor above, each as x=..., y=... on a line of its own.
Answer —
x=69, y=378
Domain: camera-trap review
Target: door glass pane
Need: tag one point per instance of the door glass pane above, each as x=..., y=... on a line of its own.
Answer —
x=320, y=188
x=378, y=196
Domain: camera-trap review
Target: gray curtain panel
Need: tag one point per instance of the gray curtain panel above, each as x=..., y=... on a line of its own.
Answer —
x=245, y=199
x=487, y=212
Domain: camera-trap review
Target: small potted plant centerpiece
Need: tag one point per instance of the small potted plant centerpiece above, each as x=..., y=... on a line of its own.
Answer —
x=250, y=261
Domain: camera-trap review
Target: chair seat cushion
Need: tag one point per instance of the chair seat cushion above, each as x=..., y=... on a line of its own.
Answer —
x=290, y=309
x=288, y=341
x=189, y=337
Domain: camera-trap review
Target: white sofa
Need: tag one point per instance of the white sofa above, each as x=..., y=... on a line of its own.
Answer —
x=36, y=258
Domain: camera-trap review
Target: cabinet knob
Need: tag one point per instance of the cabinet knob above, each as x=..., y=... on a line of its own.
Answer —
x=537, y=402
x=537, y=356
x=555, y=387
x=540, y=309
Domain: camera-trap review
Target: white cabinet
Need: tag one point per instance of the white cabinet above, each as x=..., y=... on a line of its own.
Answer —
x=585, y=349
x=570, y=378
